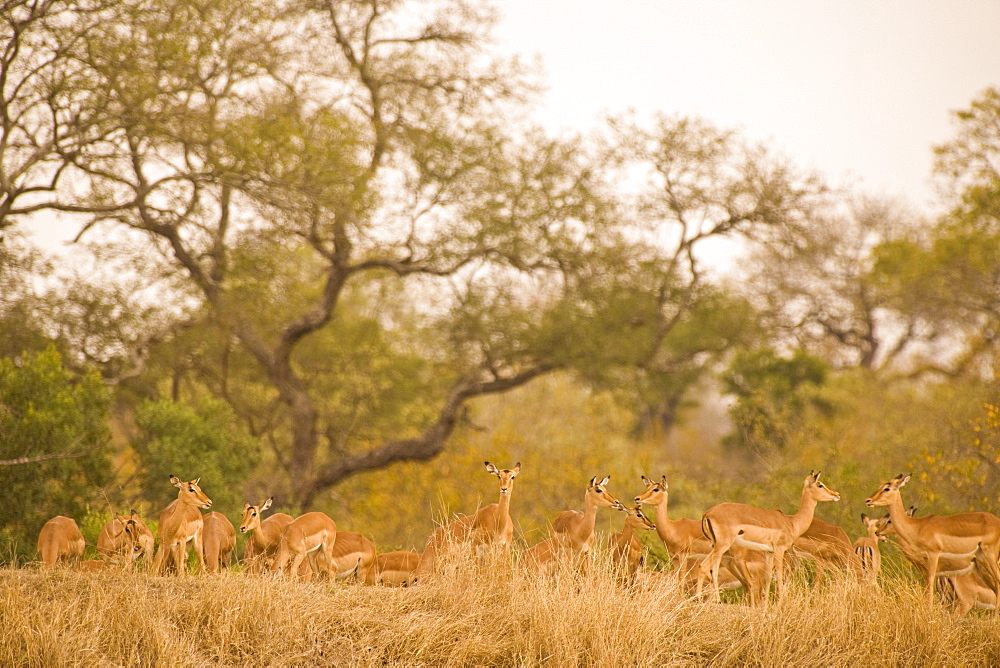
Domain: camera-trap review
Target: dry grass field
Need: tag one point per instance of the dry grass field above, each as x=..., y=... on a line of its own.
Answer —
x=473, y=615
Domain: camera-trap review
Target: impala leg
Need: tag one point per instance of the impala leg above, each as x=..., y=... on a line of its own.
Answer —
x=932, y=569
x=199, y=550
x=779, y=571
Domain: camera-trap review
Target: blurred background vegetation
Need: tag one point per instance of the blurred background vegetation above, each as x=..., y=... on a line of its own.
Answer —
x=322, y=254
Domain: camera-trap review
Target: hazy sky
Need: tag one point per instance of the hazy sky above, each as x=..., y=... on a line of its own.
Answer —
x=858, y=90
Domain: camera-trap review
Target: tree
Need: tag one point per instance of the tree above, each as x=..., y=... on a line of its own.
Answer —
x=364, y=229
x=949, y=277
x=54, y=444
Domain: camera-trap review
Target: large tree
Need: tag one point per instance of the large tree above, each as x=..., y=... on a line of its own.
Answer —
x=358, y=225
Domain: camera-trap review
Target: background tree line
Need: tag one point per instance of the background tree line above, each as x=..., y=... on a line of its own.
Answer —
x=323, y=254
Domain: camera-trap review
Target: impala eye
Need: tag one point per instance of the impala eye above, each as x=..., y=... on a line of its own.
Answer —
x=599, y=490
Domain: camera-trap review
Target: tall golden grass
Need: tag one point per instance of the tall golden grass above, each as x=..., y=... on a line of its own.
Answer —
x=473, y=612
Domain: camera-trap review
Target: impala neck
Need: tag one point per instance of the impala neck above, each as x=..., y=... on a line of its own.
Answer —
x=898, y=516
x=589, y=514
x=803, y=517
x=504, y=503
x=662, y=521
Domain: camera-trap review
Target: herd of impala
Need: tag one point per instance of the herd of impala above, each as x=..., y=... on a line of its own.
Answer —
x=733, y=545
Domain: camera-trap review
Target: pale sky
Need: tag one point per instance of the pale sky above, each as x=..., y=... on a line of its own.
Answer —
x=857, y=90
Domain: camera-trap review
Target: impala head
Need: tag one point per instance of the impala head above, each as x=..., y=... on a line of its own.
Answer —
x=132, y=534
x=598, y=491
x=637, y=519
x=655, y=494
x=506, y=476
x=888, y=492
x=251, y=515
x=818, y=490
x=872, y=525
x=190, y=492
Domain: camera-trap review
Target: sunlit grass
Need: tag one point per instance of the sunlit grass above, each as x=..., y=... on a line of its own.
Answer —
x=471, y=613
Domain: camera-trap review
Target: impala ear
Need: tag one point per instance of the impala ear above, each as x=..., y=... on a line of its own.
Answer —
x=490, y=468
x=606, y=479
x=593, y=481
x=864, y=518
x=663, y=481
x=267, y=504
x=646, y=481
x=176, y=482
x=910, y=511
x=517, y=468
x=196, y=480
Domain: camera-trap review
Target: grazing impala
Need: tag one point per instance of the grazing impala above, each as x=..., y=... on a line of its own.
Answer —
x=60, y=542
x=625, y=548
x=771, y=531
x=489, y=525
x=688, y=547
x=219, y=538
x=573, y=530
x=866, y=547
x=311, y=536
x=393, y=569
x=353, y=556
x=181, y=523
x=935, y=537
x=125, y=538
x=265, y=536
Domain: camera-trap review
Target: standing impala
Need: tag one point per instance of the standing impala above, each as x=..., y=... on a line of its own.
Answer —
x=60, y=542
x=265, y=536
x=958, y=572
x=181, y=523
x=866, y=547
x=688, y=547
x=573, y=530
x=219, y=539
x=489, y=525
x=771, y=531
x=312, y=535
x=949, y=536
x=625, y=548
x=125, y=537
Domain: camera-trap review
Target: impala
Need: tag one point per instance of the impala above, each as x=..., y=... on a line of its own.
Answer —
x=311, y=536
x=489, y=525
x=573, y=530
x=219, y=539
x=60, y=542
x=353, y=556
x=830, y=547
x=866, y=547
x=688, y=547
x=625, y=548
x=125, y=537
x=770, y=531
x=935, y=537
x=181, y=523
x=393, y=569
x=265, y=535
x=966, y=586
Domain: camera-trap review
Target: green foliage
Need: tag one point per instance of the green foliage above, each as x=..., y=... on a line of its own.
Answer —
x=194, y=441
x=774, y=395
x=54, y=440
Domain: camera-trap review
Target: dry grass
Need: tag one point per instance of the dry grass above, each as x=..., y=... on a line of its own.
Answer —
x=469, y=615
